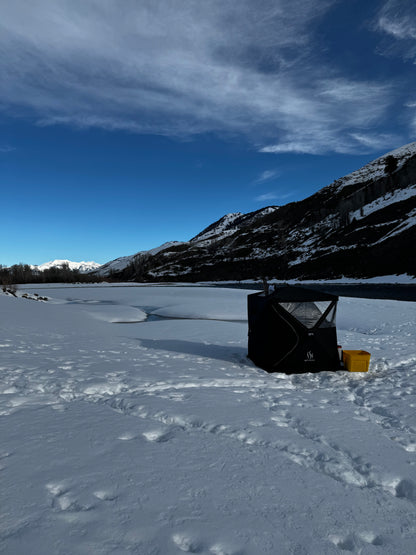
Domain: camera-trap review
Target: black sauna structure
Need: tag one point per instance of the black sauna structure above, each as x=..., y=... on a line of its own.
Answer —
x=292, y=330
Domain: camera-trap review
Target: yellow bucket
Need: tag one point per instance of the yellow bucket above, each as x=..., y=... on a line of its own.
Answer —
x=356, y=361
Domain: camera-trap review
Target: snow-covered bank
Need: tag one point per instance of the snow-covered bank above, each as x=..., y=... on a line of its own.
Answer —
x=401, y=279
x=391, y=279
x=160, y=437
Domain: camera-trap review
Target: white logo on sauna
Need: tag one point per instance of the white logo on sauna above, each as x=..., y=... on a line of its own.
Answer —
x=309, y=356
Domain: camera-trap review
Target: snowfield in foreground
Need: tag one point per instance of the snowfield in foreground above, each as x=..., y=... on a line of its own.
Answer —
x=132, y=422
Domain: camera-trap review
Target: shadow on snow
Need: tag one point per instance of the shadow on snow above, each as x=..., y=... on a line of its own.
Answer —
x=236, y=355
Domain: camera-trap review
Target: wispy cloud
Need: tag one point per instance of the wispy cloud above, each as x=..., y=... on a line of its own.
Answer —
x=243, y=67
x=273, y=196
x=375, y=141
x=6, y=148
x=266, y=197
x=412, y=108
x=338, y=106
x=397, y=20
x=401, y=29
x=267, y=175
x=297, y=147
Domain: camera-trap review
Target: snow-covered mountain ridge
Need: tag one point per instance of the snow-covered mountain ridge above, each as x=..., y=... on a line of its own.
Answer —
x=223, y=228
x=82, y=267
x=358, y=226
x=123, y=262
x=376, y=168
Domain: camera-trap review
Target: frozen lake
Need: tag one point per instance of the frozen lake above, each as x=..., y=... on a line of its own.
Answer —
x=132, y=422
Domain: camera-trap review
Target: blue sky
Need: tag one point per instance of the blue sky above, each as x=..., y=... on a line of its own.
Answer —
x=127, y=124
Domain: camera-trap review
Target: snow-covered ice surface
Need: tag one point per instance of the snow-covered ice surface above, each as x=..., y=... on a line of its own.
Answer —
x=160, y=437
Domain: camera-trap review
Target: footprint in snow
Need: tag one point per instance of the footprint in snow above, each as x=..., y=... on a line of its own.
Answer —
x=406, y=489
x=186, y=543
x=159, y=436
x=221, y=549
x=64, y=500
x=105, y=495
x=353, y=542
x=127, y=436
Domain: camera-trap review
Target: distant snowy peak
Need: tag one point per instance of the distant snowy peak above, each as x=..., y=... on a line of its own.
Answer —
x=376, y=168
x=83, y=267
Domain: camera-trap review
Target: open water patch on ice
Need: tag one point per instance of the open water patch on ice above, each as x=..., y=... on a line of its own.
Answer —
x=204, y=311
x=117, y=314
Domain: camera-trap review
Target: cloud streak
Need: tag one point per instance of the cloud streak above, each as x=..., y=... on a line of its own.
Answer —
x=397, y=20
x=266, y=197
x=273, y=196
x=247, y=68
x=267, y=175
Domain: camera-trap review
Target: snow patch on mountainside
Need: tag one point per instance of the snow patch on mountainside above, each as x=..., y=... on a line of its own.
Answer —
x=229, y=225
x=163, y=247
x=386, y=200
x=115, y=265
x=409, y=222
x=376, y=168
x=221, y=227
x=265, y=211
x=82, y=267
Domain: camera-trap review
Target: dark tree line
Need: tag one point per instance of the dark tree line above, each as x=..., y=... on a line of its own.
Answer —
x=23, y=273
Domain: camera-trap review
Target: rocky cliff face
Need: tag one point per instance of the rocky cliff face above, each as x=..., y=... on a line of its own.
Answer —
x=362, y=225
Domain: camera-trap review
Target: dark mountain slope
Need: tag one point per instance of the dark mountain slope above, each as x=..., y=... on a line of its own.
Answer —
x=361, y=225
